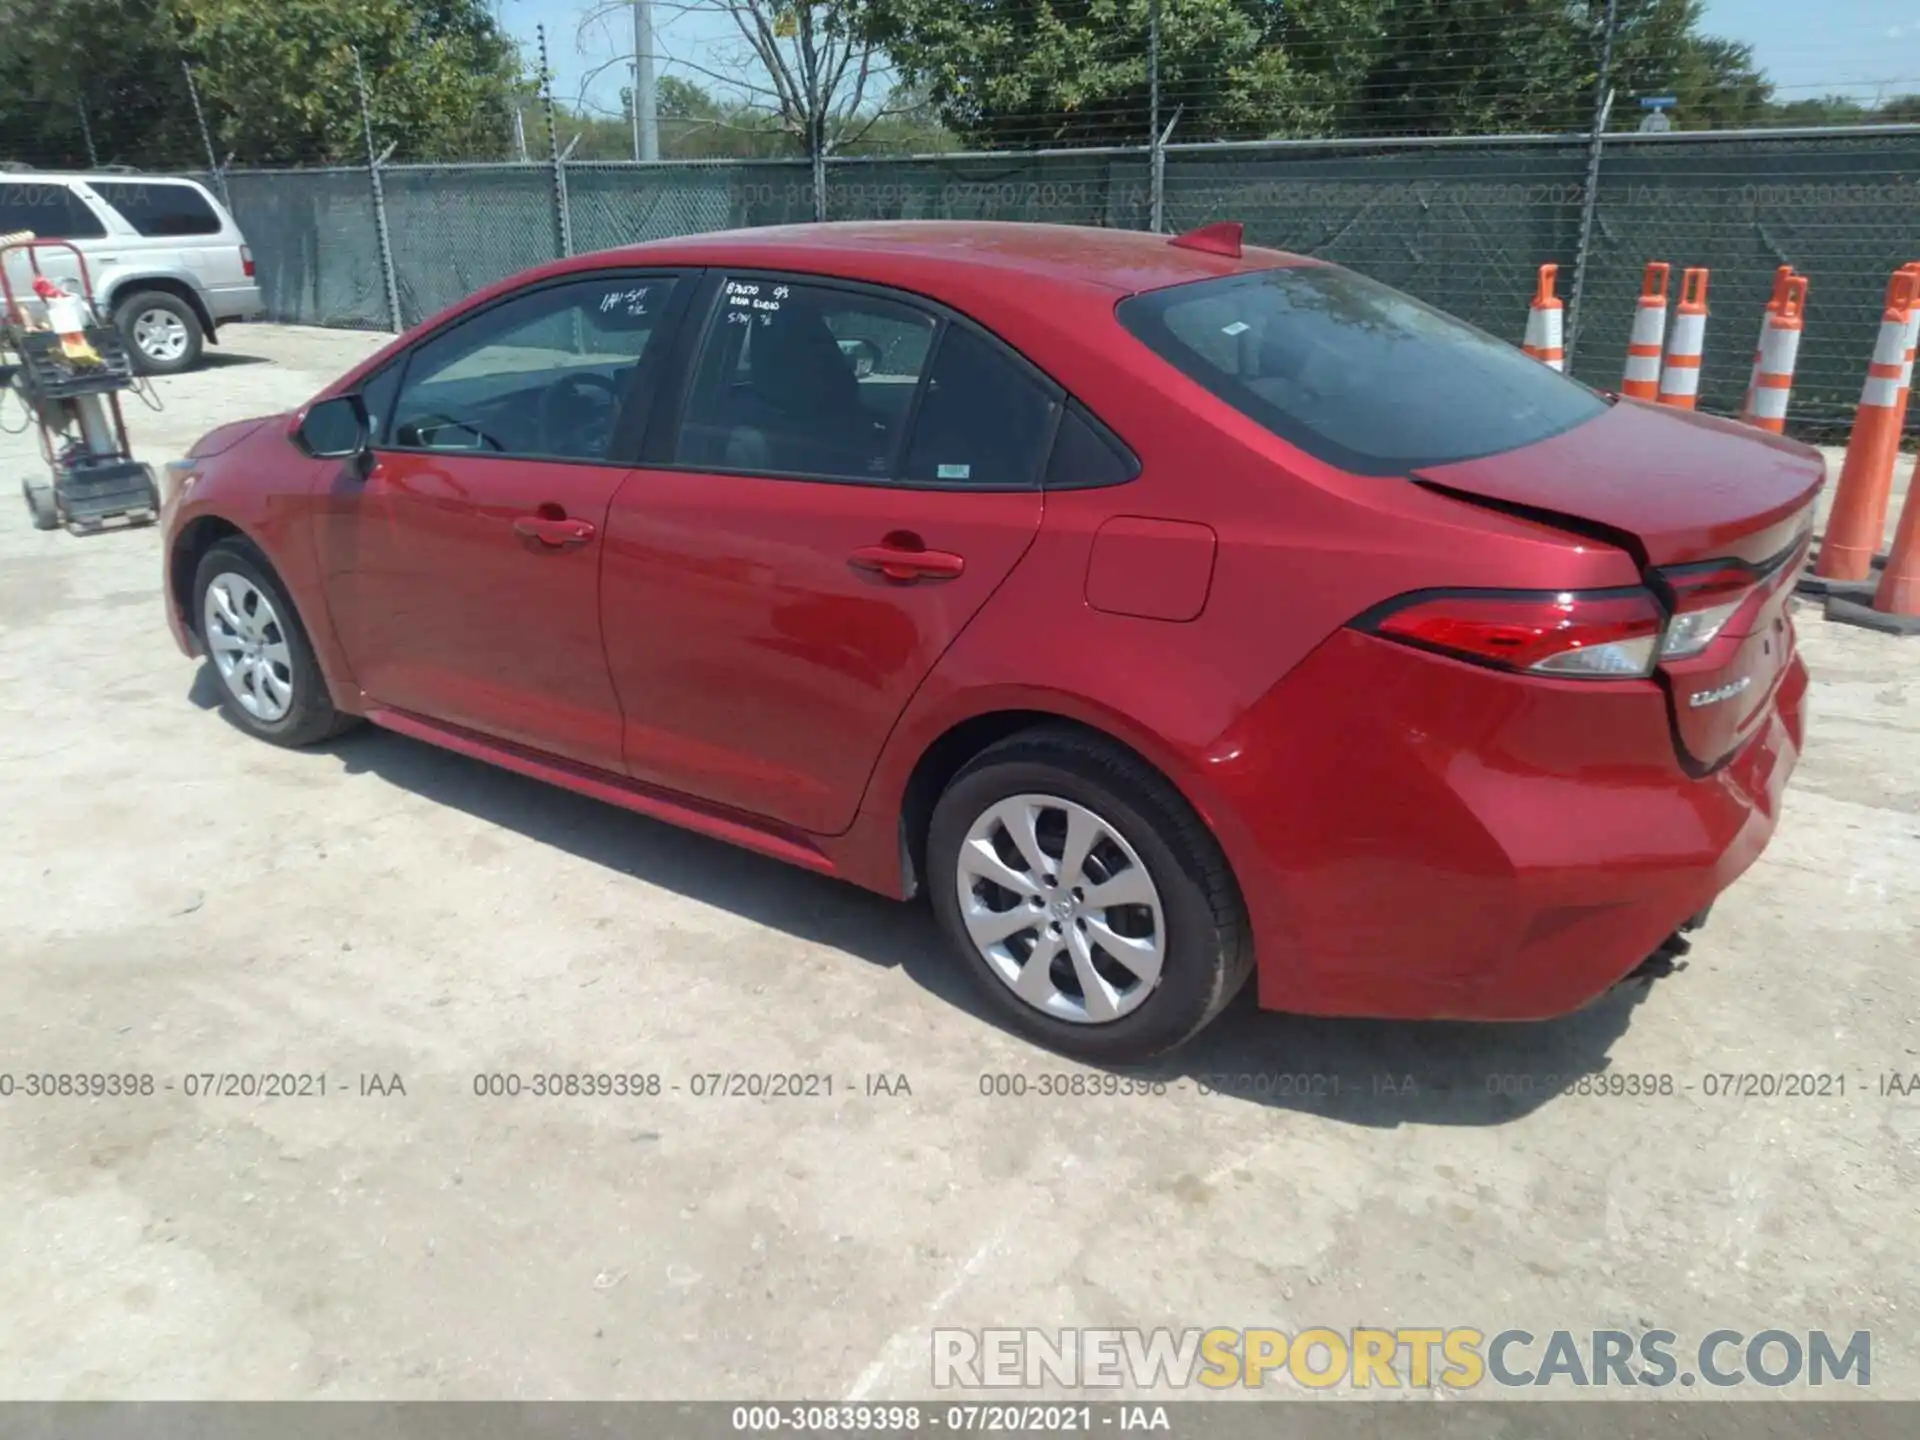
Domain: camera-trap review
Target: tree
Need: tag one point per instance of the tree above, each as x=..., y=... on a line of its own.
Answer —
x=1028, y=72
x=1463, y=67
x=1075, y=71
x=116, y=60
x=275, y=77
x=1901, y=110
x=1660, y=50
x=802, y=65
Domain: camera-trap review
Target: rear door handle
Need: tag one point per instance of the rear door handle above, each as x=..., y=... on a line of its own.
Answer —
x=903, y=566
x=553, y=532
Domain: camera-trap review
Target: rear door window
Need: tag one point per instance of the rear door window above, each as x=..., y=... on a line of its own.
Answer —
x=983, y=422
x=1354, y=372
x=51, y=212
x=1087, y=455
x=804, y=380
x=158, y=210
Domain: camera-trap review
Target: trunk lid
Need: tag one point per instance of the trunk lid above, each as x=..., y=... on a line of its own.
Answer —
x=1717, y=514
x=1672, y=486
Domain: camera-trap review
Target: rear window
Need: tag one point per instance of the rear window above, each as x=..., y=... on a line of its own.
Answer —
x=1353, y=372
x=50, y=211
x=159, y=210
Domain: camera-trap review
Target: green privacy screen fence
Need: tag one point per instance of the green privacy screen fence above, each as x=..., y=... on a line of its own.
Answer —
x=1460, y=222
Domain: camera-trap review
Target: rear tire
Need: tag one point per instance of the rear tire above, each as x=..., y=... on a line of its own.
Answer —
x=270, y=682
x=41, y=505
x=1172, y=908
x=162, y=332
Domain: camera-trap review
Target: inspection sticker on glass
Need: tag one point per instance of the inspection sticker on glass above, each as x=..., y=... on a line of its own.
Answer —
x=952, y=472
x=1238, y=327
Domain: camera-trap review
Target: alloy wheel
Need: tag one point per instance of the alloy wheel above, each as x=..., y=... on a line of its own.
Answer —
x=1061, y=908
x=160, y=334
x=249, y=646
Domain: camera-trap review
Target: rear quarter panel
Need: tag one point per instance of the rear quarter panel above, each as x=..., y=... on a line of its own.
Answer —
x=1302, y=549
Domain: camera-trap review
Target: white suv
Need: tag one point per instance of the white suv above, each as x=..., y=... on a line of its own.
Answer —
x=167, y=261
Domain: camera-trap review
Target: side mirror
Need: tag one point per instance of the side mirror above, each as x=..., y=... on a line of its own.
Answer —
x=336, y=429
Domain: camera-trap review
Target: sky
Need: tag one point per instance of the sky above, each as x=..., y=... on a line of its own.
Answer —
x=1852, y=47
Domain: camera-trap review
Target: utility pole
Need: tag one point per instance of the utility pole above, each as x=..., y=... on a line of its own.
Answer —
x=646, y=121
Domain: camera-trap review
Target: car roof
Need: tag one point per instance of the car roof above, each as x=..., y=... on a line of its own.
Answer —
x=1023, y=281
x=93, y=177
x=1078, y=257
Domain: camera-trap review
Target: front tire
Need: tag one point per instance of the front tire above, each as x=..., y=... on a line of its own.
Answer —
x=162, y=332
x=270, y=683
x=1091, y=905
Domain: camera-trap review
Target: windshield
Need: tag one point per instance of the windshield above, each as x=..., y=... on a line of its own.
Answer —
x=1354, y=372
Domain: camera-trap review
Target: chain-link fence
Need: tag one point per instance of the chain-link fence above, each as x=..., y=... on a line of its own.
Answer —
x=315, y=244
x=1843, y=210
x=1460, y=222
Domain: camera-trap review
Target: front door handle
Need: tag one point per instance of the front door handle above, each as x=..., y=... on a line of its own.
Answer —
x=903, y=565
x=553, y=532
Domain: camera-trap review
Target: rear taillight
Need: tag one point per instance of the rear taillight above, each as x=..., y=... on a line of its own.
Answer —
x=246, y=261
x=1705, y=598
x=1576, y=634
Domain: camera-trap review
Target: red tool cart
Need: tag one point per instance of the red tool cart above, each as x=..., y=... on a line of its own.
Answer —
x=70, y=368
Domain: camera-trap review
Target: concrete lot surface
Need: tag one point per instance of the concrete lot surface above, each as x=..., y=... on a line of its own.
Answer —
x=178, y=900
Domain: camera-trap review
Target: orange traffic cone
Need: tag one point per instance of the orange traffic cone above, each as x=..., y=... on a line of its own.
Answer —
x=1912, y=267
x=1859, y=514
x=1779, y=348
x=1896, y=600
x=1544, y=320
x=1781, y=275
x=1680, y=379
x=1641, y=379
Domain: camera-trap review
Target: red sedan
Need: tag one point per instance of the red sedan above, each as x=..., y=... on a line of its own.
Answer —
x=1165, y=610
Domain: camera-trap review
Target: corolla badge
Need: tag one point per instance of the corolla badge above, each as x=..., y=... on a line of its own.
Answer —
x=1724, y=692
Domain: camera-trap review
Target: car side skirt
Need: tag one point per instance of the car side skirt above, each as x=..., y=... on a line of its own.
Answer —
x=746, y=831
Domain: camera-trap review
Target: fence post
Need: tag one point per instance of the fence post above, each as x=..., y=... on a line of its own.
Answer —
x=86, y=132
x=1590, y=200
x=206, y=137
x=1157, y=150
x=562, y=219
x=389, y=278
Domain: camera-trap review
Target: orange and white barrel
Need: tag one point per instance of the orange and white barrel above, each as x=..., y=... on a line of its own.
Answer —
x=1680, y=377
x=1545, y=319
x=1779, y=348
x=1781, y=275
x=1642, y=377
x=1859, y=514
